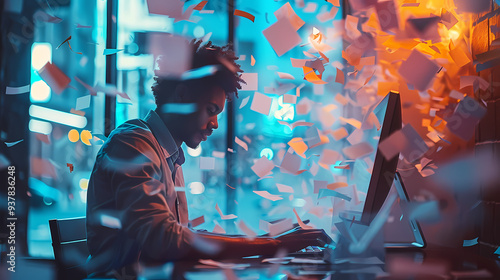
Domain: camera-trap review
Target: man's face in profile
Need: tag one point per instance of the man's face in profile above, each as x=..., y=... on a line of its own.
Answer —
x=199, y=125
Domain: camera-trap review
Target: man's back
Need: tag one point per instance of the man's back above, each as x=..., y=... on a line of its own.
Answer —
x=131, y=200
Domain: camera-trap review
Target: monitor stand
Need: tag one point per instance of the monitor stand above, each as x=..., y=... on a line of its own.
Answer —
x=396, y=232
x=399, y=230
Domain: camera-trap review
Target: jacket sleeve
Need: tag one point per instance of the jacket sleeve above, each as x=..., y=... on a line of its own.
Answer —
x=134, y=170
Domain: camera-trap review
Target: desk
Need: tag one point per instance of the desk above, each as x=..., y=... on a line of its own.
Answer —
x=436, y=263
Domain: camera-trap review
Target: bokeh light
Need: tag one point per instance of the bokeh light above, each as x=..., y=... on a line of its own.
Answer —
x=73, y=135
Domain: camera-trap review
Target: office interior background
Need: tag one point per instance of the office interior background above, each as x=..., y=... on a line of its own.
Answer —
x=310, y=84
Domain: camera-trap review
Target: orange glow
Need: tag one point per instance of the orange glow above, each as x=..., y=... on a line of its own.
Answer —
x=73, y=135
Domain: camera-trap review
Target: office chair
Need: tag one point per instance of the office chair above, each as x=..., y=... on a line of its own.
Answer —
x=69, y=241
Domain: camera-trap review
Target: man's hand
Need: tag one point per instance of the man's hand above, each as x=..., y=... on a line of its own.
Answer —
x=301, y=238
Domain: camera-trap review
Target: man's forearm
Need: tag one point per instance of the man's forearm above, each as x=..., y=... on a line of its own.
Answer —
x=237, y=247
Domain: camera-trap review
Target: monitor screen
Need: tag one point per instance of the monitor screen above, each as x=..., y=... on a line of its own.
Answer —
x=373, y=175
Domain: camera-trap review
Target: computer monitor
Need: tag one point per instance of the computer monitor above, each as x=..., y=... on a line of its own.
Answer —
x=373, y=175
x=388, y=113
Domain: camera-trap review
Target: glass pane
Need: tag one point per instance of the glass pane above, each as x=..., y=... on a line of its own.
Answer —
x=284, y=86
x=62, y=124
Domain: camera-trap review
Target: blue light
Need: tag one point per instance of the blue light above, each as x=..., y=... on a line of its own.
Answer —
x=267, y=152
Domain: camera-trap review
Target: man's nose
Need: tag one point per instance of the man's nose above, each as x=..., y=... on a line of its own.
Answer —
x=213, y=123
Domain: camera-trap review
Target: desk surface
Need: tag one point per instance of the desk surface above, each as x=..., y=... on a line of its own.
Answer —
x=439, y=263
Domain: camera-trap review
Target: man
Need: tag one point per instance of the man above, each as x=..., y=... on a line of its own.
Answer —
x=134, y=213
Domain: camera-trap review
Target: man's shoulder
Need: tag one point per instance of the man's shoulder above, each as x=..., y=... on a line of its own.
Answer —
x=132, y=128
x=132, y=132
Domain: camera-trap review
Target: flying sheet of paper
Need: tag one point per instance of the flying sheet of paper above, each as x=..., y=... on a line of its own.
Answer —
x=218, y=229
x=285, y=76
x=73, y=111
x=339, y=133
x=405, y=141
x=54, y=77
x=371, y=121
x=291, y=162
x=312, y=136
x=244, y=102
x=262, y=166
x=418, y=70
x=328, y=157
x=111, y=51
x=299, y=63
x=179, y=108
x=357, y=151
x=327, y=192
x=83, y=26
x=267, y=195
x=252, y=81
x=241, y=143
x=43, y=137
x=174, y=51
x=245, y=229
x=328, y=15
x=387, y=15
x=280, y=227
x=300, y=222
x=359, y=5
x=465, y=118
x=318, y=185
x=244, y=14
x=351, y=27
x=286, y=12
x=261, y=103
x=223, y=265
x=335, y=3
x=224, y=217
x=473, y=7
x=110, y=221
x=172, y=8
x=298, y=145
x=296, y=124
x=17, y=90
x=197, y=221
x=489, y=56
x=284, y=188
x=425, y=28
x=82, y=102
x=252, y=60
x=200, y=72
x=207, y=163
x=448, y=19
x=10, y=144
x=311, y=76
x=336, y=185
x=356, y=137
x=340, y=78
x=351, y=121
x=469, y=81
x=459, y=56
x=282, y=36
x=471, y=242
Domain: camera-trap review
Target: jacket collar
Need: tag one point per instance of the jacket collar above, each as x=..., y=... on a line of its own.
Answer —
x=162, y=134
